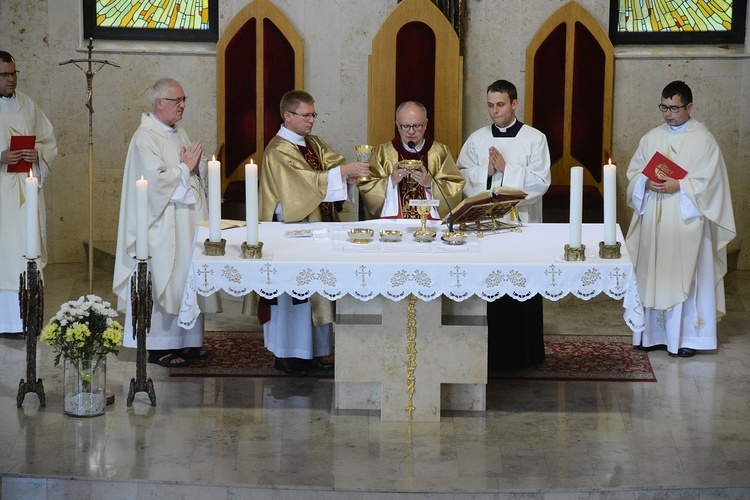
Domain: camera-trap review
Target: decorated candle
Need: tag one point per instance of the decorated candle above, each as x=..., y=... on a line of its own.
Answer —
x=31, y=191
x=214, y=200
x=251, y=202
x=141, y=219
x=576, y=206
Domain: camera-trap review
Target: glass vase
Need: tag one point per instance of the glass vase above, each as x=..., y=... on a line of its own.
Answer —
x=85, y=387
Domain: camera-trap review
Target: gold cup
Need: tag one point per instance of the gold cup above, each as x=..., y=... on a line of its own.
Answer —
x=364, y=153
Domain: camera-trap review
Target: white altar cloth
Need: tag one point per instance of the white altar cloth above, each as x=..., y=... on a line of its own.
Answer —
x=324, y=261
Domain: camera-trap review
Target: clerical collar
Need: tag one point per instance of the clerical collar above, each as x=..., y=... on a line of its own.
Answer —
x=509, y=131
x=680, y=129
x=292, y=137
x=164, y=126
x=7, y=96
x=418, y=147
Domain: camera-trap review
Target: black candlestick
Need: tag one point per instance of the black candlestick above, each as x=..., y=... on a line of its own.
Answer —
x=31, y=300
x=142, y=303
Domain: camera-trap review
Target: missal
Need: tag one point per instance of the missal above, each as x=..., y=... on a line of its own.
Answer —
x=660, y=167
x=491, y=204
x=21, y=142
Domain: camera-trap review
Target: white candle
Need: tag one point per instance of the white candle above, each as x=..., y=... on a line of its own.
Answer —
x=214, y=200
x=32, y=216
x=251, y=202
x=576, y=206
x=141, y=219
x=610, y=203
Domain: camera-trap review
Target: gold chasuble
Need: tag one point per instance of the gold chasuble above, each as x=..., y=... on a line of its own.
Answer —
x=437, y=159
x=296, y=179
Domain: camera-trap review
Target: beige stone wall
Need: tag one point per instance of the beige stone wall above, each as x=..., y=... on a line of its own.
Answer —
x=337, y=35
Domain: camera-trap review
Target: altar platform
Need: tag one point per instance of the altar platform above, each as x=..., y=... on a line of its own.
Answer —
x=684, y=436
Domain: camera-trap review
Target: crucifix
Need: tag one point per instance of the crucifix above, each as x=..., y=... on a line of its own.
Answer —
x=89, y=104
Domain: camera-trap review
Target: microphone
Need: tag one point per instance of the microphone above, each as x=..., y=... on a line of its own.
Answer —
x=413, y=147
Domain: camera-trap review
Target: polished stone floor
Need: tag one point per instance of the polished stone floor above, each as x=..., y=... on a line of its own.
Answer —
x=687, y=435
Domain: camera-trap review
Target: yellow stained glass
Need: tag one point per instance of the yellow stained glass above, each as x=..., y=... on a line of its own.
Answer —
x=158, y=14
x=652, y=16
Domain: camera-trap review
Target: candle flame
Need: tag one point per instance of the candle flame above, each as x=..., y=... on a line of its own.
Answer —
x=31, y=174
x=251, y=162
x=213, y=157
x=141, y=177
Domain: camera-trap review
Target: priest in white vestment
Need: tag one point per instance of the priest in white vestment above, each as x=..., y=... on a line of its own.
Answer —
x=680, y=230
x=175, y=168
x=302, y=179
x=511, y=154
x=19, y=116
x=389, y=188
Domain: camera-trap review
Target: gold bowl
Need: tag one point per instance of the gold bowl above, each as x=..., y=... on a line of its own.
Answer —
x=391, y=235
x=424, y=235
x=454, y=238
x=410, y=164
x=361, y=234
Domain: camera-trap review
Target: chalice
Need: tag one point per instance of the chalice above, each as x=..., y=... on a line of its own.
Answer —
x=424, y=234
x=364, y=153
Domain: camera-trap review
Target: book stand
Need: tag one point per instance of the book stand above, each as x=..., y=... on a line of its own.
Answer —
x=482, y=217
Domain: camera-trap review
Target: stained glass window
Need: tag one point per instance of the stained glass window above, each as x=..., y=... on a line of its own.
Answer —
x=184, y=20
x=677, y=21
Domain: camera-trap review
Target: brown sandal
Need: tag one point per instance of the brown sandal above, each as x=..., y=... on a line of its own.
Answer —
x=170, y=360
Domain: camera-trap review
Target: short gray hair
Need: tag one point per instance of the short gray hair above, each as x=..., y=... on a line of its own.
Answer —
x=160, y=89
x=419, y=105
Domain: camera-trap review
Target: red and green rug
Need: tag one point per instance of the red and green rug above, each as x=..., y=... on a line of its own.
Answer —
x=569, y=357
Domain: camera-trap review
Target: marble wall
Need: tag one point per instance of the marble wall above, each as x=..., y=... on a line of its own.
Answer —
x=337, y=35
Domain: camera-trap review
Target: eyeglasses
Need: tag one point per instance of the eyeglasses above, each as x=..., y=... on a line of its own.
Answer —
x=306, y=116
x=10, y=74
x=176, y=100
x=673, y=109
x=405, y=128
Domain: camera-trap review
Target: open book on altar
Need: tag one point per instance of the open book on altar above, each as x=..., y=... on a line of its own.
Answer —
x=659, y=167
x=487, y=205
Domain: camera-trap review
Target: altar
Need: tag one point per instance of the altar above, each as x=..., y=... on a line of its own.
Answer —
x=410, y=336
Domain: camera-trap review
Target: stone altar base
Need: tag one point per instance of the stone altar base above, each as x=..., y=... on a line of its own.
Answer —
x=371, y=357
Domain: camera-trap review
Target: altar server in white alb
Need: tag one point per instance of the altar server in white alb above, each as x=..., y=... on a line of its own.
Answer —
x=19, y=115
x=161, y=152
x=680, y=230
x=510, y=154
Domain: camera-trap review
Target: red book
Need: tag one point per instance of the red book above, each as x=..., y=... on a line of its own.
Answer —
x=660, y=167
x=21, y=142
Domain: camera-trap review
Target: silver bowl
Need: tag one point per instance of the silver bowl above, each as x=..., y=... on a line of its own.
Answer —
x=361, y=234
x=454, y=238
x=391, y=235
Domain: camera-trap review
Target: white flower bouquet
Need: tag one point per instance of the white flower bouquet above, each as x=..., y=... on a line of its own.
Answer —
x=83, y=329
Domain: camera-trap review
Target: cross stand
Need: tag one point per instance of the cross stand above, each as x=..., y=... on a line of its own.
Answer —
x=142, y=304
x=90, y=73
x=31, y=300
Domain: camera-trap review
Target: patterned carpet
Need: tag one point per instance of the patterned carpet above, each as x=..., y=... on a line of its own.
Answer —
x=569, y=357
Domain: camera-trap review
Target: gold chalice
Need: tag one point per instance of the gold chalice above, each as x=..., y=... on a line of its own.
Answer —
x=364, y=153
x=424, y=234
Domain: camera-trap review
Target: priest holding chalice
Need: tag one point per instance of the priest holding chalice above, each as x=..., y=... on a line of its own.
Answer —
x=411, y=166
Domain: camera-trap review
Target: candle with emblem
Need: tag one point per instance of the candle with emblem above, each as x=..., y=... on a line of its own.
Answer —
x=251, y=202
x=214, y=200
x=576, y=206
x=31, y=191
x=141, y=219
x=610, y=203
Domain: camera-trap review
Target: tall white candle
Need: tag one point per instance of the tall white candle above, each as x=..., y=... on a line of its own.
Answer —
x=31, y=191
x=610, y=203
x=214, y=200
x=576, y=206
x=251, y=202
x=141, y=219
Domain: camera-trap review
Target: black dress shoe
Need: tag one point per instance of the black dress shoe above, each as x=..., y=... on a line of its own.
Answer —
x=685, y=352
x=290, y=366
x=317, y=364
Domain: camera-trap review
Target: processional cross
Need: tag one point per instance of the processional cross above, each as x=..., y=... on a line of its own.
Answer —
x=89, y=104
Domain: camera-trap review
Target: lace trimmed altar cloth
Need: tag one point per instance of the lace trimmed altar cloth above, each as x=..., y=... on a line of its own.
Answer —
x=302, y=259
